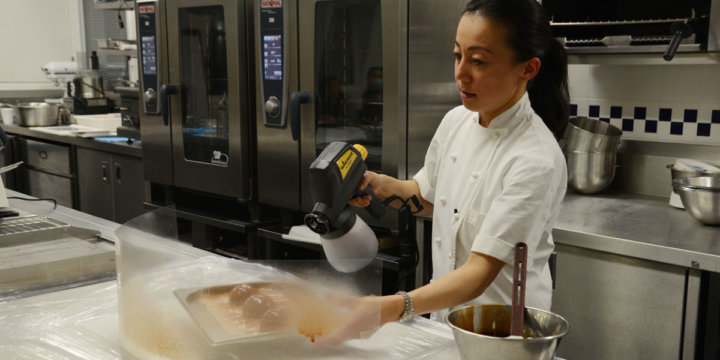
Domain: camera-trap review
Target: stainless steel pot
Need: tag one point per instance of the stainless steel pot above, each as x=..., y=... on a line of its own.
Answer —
x=88, y=87
x=38, y=114
x=590, y=172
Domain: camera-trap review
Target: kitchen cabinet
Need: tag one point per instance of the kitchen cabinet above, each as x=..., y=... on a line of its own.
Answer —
x=48, y=171
x=624, y=308
x=111, y=185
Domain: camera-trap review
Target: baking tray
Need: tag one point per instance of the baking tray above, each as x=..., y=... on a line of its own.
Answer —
x=216, y=326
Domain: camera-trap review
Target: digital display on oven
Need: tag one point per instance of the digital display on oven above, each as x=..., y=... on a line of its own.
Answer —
x=149, y=57
x=272, y=57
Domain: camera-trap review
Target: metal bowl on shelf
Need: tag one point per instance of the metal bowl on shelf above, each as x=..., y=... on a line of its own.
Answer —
x=701, y=197
x=481, y=332
x=678, y=174
x=590, y=135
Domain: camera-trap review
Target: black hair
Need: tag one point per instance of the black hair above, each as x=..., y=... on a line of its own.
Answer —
x=528, y=28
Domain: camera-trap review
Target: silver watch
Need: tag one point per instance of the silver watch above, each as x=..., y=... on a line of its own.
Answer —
x=409, y=308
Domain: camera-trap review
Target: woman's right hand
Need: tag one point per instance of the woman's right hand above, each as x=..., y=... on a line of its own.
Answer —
x=372, y=179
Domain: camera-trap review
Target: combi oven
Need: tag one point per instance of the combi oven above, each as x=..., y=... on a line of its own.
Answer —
x=196, y=119
x=328, y=71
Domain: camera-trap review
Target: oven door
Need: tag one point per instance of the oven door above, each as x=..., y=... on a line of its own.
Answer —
x=341, y=78
x=209, y=114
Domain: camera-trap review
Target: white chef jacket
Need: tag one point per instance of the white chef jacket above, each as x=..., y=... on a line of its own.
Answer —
x=492, y=188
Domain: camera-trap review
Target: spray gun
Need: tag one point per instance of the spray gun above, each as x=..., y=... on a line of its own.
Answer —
x=348, y=242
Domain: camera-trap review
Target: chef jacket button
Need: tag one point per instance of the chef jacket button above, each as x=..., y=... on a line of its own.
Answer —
x=456, y=217
x=438, y=240
x=450, y=255
x=453, y=156
x=475, y=175
x=442, y=200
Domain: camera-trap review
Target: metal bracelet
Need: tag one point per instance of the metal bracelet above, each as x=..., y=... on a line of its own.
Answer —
x=409, y=308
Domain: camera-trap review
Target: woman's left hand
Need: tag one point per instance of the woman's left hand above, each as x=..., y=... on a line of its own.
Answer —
x=364, y=318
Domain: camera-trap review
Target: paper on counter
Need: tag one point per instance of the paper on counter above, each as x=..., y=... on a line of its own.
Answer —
x=302, y=233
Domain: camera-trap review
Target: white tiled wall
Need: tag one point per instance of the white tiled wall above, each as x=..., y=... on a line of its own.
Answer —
x=620, y=94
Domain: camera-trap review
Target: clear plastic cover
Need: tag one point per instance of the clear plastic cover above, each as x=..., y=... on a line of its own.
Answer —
x=142, y=316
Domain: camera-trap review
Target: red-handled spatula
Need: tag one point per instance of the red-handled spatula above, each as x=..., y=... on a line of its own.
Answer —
x=518, y=293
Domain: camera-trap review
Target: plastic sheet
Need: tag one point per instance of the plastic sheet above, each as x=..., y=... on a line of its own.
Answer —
x=139, y=317
x=55, y=325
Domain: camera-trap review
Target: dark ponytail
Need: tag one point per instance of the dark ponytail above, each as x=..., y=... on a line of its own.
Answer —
x=529, y=36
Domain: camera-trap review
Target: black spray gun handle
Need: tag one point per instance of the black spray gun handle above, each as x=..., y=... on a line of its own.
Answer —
x=376, y=207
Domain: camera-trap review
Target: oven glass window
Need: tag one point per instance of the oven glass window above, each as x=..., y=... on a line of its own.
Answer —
x=348, y=75
x=204, y=84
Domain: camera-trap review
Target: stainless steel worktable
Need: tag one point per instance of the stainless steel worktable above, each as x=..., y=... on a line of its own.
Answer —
x=82, y=322
x=639, y=226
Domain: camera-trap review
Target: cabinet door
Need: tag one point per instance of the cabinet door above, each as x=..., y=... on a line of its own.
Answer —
x=618, y=307
x=128, y=187
x=95, y=183
x=43, y=185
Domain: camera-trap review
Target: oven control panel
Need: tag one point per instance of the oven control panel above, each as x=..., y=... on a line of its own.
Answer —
x=148, y=41
x=272, y=45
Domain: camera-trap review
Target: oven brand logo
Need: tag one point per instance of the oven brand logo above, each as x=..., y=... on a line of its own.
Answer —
x=146, y=9
x=345, y=162
x=219, y=158
x=271, y=4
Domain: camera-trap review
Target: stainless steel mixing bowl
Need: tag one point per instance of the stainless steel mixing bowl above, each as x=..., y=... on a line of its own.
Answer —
x=591, y=135
x=677, y=174
x=590, y=172
x=470, y=323
x=701, y=197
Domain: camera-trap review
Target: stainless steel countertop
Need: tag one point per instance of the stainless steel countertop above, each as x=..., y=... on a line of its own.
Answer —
x=639, y=226
x=120, y=148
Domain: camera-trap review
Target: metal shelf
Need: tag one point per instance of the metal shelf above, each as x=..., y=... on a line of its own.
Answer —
x=709, y=58
x=115, y=5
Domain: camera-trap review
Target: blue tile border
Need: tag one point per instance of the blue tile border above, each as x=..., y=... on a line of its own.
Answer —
x=690, y=116
x=665, y=114
x=640, y=123
x=676, y=128
x=651, y=126
x=628, y=124
x=703, y=129
x=640, y=113
x=715, y=118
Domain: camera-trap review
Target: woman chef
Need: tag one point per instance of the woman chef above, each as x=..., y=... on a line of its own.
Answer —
x=494, y=174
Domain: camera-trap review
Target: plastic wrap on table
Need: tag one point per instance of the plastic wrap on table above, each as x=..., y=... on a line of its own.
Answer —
x=139, y=316
x=60, y=325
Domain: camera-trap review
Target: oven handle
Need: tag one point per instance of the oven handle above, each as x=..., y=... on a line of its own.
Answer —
x=165, y=90
x=296, y=99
